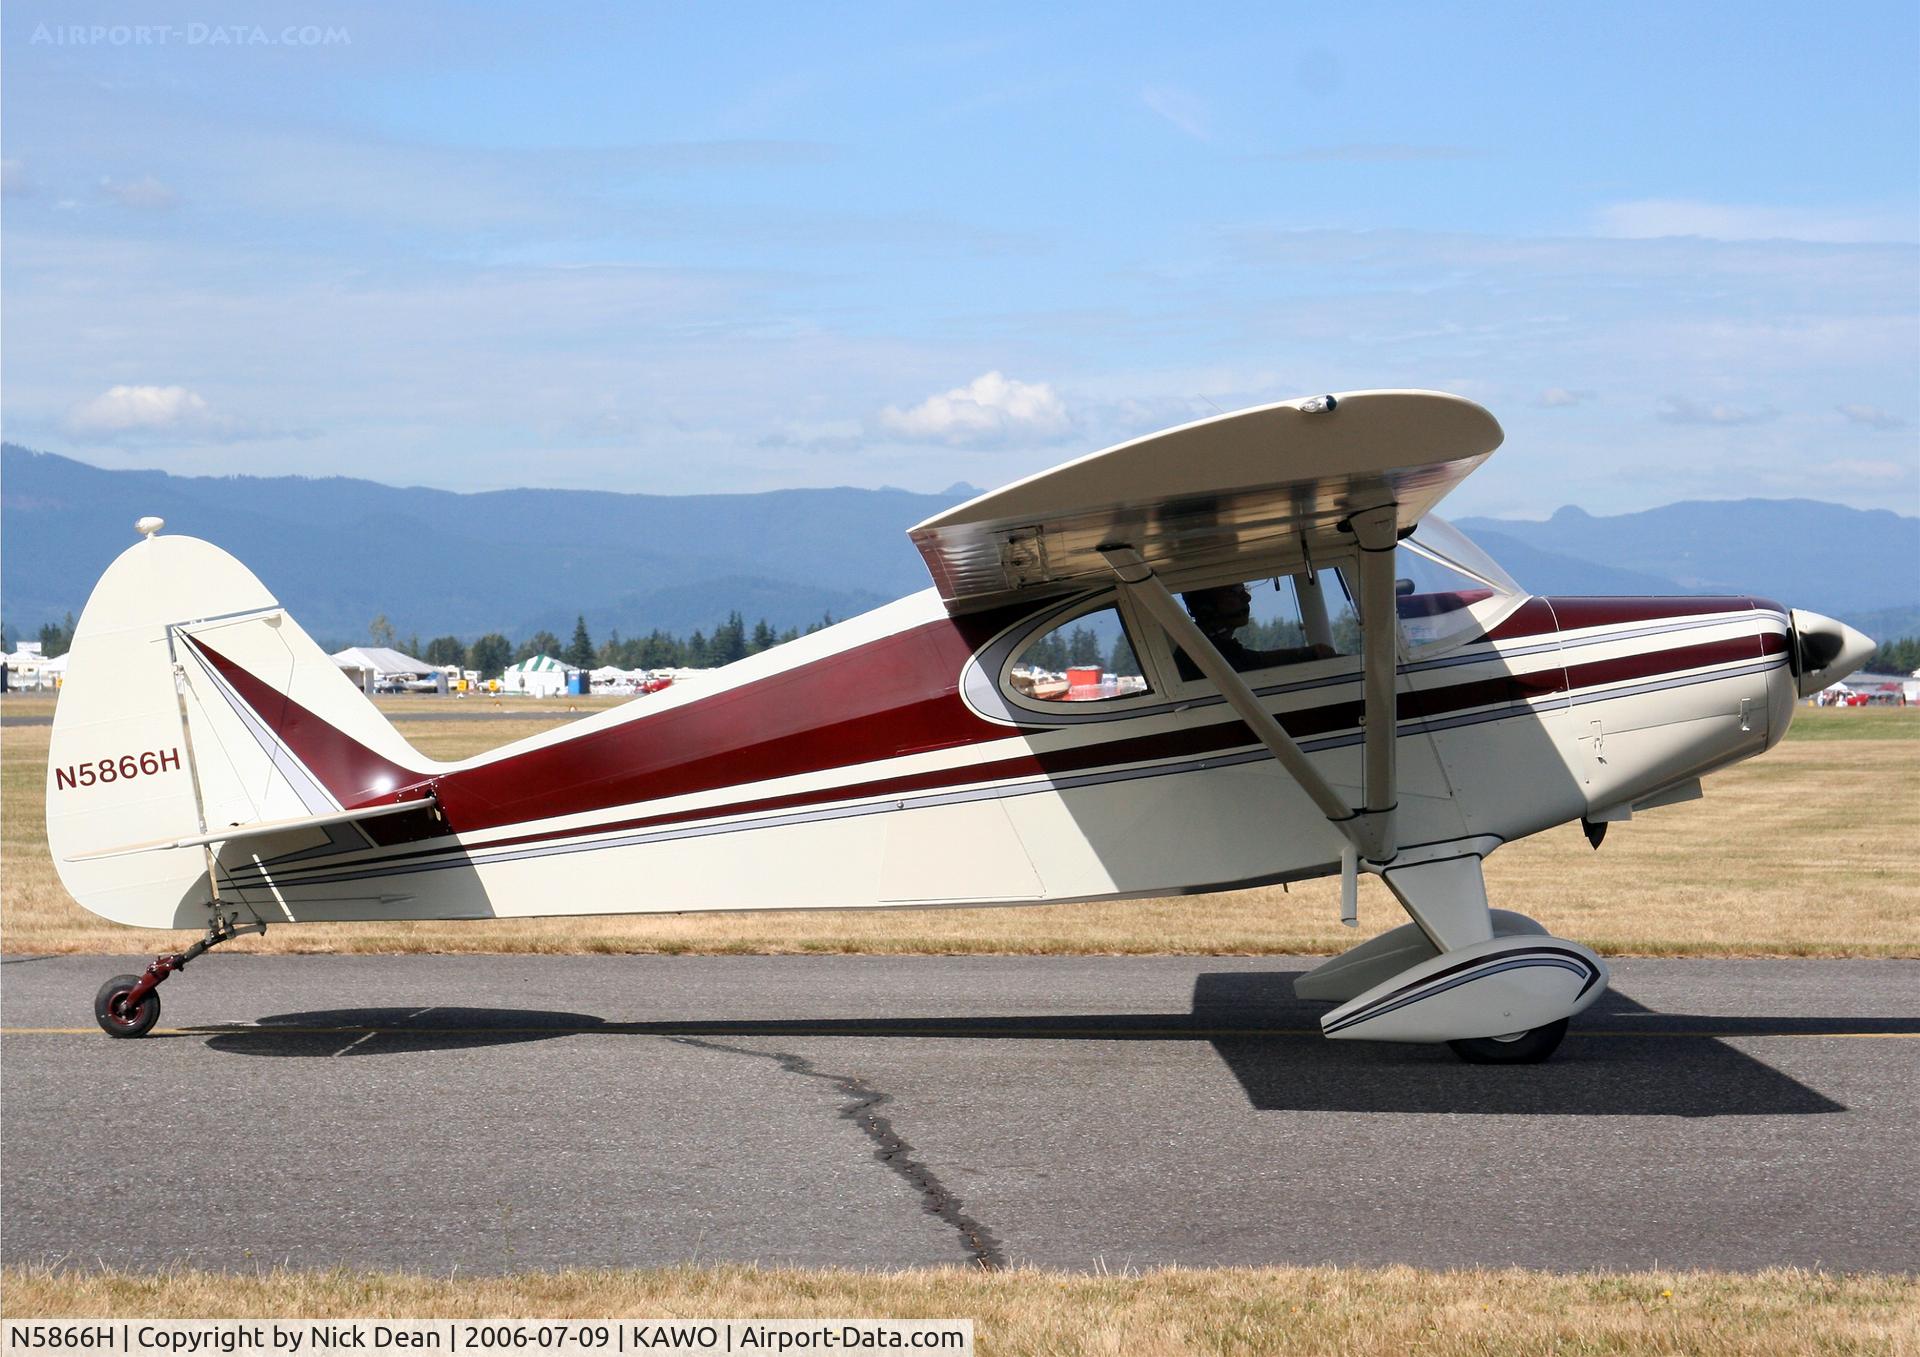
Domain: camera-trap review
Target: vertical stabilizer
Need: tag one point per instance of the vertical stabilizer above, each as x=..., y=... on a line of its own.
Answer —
x=193, y=702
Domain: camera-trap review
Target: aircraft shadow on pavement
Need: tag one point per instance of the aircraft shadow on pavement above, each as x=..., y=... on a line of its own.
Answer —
x=1629, y=1061
x=391, y=1031
x=1679, y=1068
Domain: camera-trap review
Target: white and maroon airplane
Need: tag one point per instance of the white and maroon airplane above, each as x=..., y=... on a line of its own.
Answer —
x=1348, y=686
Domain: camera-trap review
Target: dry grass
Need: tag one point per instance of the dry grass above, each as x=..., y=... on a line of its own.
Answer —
x=397, y=707
x=1222, y=1311
x=1806, y=851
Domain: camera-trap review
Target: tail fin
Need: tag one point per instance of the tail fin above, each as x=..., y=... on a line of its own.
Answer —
x=192, y=701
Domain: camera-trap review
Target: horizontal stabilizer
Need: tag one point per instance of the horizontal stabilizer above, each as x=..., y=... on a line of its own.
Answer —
x=234, y=833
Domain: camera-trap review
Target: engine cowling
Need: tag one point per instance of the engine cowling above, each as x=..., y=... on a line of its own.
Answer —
x=1824, y=651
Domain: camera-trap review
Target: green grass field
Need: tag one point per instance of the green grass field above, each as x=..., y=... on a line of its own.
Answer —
x=1855, y=723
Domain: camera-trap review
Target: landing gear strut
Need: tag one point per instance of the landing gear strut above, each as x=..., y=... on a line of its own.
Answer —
x=1494, y=985
x=129, y=1005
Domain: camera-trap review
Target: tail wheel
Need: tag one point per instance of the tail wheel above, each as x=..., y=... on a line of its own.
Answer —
x=115, y=1018
x=1521, y=1048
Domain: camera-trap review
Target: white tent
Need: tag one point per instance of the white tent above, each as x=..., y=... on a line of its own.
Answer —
x=537, y=676
x=29, y=668
x=378, y=666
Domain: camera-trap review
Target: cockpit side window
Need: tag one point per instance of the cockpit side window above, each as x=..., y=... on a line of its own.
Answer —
x=1088, y=658
x=1267, y=623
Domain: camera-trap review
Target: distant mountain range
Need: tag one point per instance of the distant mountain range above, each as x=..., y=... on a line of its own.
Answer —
x=338, y=552
x=1802, y=552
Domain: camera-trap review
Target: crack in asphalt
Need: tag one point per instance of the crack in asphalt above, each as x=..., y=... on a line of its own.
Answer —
x=862, y=1108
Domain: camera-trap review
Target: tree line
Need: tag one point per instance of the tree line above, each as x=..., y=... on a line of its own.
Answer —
x=1061, y=649
x=1897, y=657
x=734, y=640
x=56, y=638
x=491, y=654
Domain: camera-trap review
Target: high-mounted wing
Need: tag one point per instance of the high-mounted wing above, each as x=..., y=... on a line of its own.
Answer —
x=1221, y=487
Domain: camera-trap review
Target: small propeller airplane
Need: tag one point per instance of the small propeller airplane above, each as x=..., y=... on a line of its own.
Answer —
x=1240, y=651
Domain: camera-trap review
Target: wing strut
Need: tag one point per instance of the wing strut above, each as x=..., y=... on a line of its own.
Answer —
x=1377, y=531
x=1369, y=830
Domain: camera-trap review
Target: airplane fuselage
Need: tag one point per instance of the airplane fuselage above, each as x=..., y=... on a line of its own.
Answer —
x=884, y=763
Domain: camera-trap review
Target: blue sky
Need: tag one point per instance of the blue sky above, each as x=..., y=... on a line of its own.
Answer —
x=1675, y=249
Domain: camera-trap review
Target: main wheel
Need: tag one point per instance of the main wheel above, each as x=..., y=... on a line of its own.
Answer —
x=1522, y=1048
x=111, y=1012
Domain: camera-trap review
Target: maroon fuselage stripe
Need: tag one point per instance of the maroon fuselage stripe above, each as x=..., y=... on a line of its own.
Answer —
x=1500, y=690
x=897, y=696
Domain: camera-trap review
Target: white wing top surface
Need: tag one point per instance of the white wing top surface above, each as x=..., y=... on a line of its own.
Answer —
x=1256, y=480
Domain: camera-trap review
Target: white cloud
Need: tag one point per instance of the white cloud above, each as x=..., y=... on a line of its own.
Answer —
x=1681, y=410
x=141, y=409
x=1559, y=398
x=467, y=376
x=992, y=408
x=1180, y=108
x=1649, y=218
x=145, y=194
x=1872, y=416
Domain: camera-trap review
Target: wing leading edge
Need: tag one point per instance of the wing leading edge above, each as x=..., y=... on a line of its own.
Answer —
x=1249, y=481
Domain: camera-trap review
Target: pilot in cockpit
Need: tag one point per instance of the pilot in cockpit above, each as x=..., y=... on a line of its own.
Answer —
x=1222, y=610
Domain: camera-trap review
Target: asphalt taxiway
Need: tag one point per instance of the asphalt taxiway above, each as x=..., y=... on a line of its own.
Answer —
x=488, y=1114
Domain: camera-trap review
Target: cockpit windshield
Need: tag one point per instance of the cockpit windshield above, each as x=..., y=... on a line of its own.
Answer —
x=1447, y=588
x=1447, y=544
